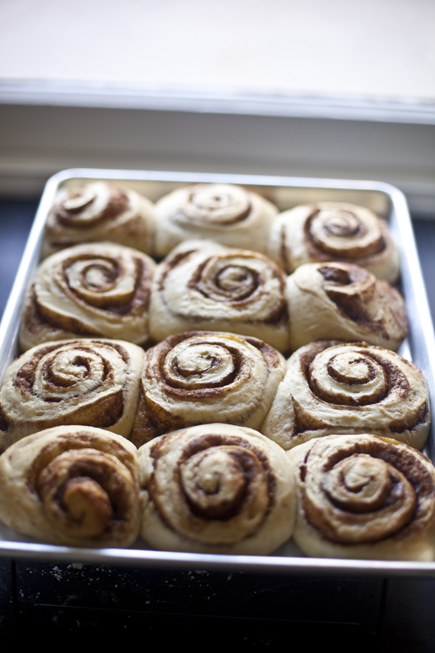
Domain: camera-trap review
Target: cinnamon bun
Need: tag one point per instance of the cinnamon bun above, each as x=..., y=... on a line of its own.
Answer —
x=349, y=388
x=87, y=382
x=95, y=289
x=72, y=485
x=224, y=213
x=216, y=489
x=201, y=377
x=364, y=496
x=205, y=286
x=341, y=300
x=334, y=231
x=99, y=211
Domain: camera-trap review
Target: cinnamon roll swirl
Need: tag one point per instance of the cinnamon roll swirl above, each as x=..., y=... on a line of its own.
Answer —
x=349, y=388
x=364, y=496
x=99, y=211
x=341, y=300
x=204, y=286
x=199, y=377
x=216, y=488
x=226, y=214
x=72, y=485
x=334, y=231
x=97, y=289
x=87, y=382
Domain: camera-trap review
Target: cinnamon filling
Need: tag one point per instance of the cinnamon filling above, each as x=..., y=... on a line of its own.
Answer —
x=365, y=491
x=69, y=213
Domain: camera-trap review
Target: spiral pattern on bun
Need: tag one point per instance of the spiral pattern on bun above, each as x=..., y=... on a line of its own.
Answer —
x=88, y=382
x=334, y=231
x=341, y=300
x=72, y=485
x=364, y=496
x=216, y=488
x=349, y=388
x=229, y=215
x=200, y=377
x=99, y=211
x=97, y=289
x=204, y=286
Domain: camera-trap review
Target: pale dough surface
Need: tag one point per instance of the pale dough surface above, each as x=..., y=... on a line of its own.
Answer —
x=346, y=302
x=227, y=214
x=99, y=211
x=89, y=382
x=332, y=387
x=334, y=231
x=95, y=289
x=216, y=489
x=204, y=286
x=375, y=497
x=95, y=473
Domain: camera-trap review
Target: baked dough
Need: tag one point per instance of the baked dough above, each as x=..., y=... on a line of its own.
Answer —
x=216, y=489
x=349, y=388
x=200, y=377
x=96, y=289
x=99, y=211
x=364, y=497
x=227, y=214
x=334, y=231
x=204, y=286
x=72, y=485
x=88, y=382
x=346, y=302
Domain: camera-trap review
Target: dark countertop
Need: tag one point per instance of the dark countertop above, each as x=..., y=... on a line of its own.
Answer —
x=168, y=606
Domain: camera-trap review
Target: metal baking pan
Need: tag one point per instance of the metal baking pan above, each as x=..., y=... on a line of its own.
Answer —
x=286, y=192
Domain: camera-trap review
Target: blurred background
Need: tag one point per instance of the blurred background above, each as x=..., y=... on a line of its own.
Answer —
x=331, y=89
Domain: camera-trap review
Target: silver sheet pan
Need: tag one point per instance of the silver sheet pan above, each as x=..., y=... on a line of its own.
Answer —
x=286, y=192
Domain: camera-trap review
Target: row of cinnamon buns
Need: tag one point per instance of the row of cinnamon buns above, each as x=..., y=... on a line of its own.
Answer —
x=222, y=489
x=112, y=291
x=226, y=214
